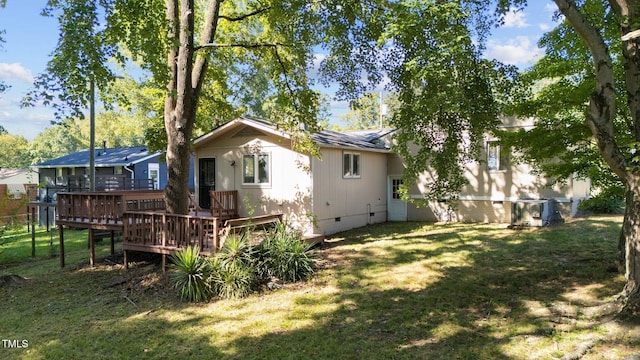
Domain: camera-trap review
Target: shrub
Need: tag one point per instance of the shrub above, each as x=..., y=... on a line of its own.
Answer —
x=233, y=268
x=603, y=204
x=284, y=255
x=192, y=275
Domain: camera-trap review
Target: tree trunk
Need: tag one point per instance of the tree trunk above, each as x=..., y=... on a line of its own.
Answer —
x=179, y=111
x=631, y=229
x=626, y=229
x=183, y=91
x=600, y=116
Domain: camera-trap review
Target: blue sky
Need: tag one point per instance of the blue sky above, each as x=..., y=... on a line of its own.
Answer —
x=30, y=39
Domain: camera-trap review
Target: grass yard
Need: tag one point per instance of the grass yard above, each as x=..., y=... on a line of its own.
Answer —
x=387, y=291
x=15, y=243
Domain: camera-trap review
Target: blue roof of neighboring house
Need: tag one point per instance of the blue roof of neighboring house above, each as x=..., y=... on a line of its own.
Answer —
x=123, y=156
x=359, y=139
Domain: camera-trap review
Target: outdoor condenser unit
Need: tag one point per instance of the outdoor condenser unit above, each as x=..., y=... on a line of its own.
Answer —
x=533, y=212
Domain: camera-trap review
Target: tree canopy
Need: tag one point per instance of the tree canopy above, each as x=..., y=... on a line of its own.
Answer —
x=557, y=87
x=367, y=111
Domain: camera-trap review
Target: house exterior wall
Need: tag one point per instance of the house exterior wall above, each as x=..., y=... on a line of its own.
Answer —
x=311, y=192
x=290, y=186
x=490, y=193
x=13, y=209
x=17, y=188
x=141, y=171
x=345, y=203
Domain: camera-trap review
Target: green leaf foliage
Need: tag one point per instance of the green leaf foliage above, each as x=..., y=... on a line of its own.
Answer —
x=234, y=272
x=15, y=151
x=232, y=279
x=57, y=140
x=284, y=255
x=559, y=85
x=191, y=275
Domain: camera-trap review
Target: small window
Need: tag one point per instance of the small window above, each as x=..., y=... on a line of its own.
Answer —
x=395, y=188
x=351, y=165
x=497, y=158
x=255, y=169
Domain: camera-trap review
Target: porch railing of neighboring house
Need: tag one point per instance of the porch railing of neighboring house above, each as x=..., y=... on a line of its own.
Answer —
x=166, y=233
x=105, y=208
x=224, y=204
x=108, y=183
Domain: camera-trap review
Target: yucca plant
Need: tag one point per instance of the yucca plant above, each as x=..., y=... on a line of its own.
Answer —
x=234, y=272
x=192, y=274
x=284, y=255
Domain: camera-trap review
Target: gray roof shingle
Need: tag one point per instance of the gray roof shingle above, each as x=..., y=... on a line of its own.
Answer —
x=359, y=139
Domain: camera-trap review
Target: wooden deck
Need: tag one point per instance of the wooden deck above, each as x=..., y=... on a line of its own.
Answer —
x=224, y=204
x=141, y=217
x=165, y=234
x=104, y=210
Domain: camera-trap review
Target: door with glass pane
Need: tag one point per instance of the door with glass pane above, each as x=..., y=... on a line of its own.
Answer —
x=206, y=181
x=396, y=206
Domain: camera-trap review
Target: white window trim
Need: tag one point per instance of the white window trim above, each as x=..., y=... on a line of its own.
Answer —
x=499, y=158
x=255, y=164
x=351, y=156
x=154, y=167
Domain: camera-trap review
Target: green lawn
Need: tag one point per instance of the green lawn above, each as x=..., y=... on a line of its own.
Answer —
x=388, y=291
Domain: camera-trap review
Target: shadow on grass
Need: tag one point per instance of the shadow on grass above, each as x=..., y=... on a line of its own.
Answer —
x=389, y=291
x=512, y=297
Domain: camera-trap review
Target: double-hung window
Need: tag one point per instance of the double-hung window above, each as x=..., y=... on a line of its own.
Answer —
x=255, y=169
x=497, y=156
x=350, y=165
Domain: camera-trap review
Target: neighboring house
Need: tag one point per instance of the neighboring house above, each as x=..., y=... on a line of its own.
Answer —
x=17, y=188
x=355, y=181
x=131, y=163
x=126, y=168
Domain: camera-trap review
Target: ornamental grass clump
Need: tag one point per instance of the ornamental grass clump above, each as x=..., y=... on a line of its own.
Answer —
x=284, y=255
x=191, y=277
x=239, y=268
x=234, y=272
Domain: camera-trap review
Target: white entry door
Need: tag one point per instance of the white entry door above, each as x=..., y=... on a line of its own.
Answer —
x=154, y=174
x=396, y=206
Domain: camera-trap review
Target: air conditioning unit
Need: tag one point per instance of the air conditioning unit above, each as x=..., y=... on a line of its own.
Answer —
x=527, y=212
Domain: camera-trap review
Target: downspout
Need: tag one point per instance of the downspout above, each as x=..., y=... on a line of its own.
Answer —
x=133, y=174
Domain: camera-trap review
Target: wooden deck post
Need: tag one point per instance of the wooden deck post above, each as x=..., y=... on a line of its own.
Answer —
x=113, y=246
x=61, y=232
x=126, y=263
x=92, y=249
x=33, y=234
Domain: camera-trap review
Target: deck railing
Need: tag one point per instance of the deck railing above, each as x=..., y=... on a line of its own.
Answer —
x=224, y=204
x=165, y=233
x=105, y=207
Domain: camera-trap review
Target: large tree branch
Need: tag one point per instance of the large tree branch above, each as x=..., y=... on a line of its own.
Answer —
x=184, y=86
x=172, y=37
x=602, y=103
x=245, y=16
x=239, y=45
x=628, y=15
x=208, y=36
